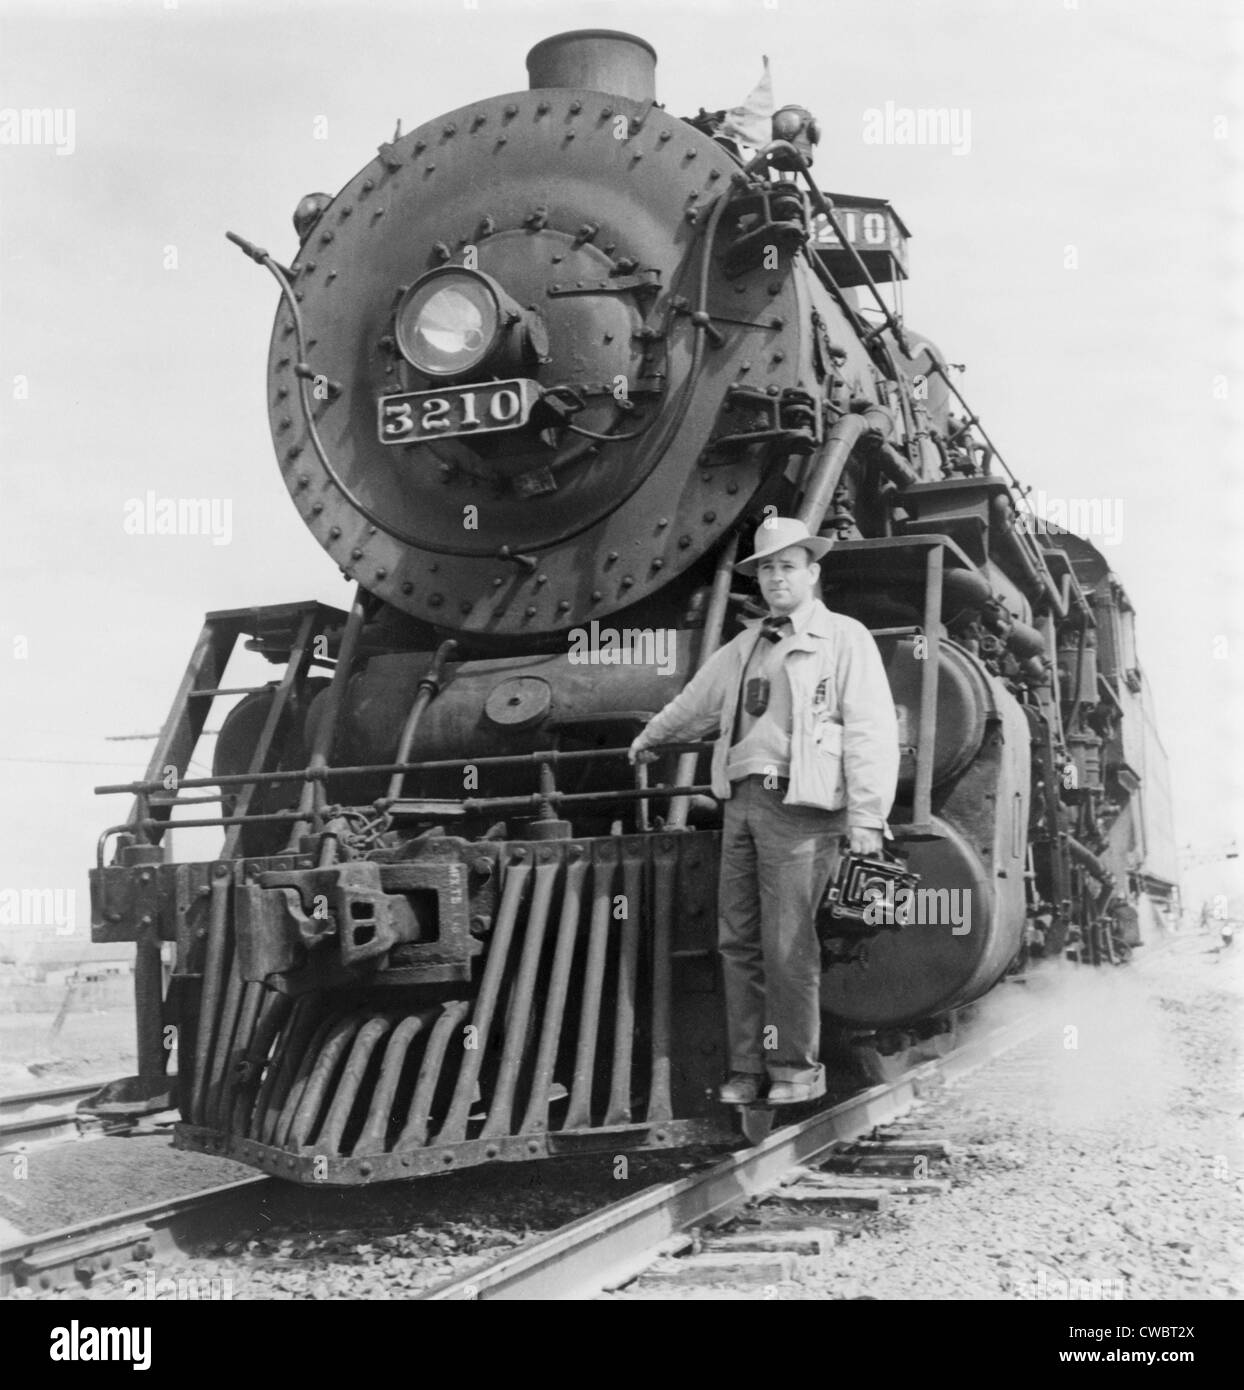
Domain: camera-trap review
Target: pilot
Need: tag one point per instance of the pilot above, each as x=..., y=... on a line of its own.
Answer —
x=806, y=752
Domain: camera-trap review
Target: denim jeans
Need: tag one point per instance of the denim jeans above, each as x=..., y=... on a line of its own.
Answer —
x=776, y=862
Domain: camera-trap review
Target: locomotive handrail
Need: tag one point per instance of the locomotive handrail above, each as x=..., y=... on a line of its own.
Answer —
x=305, y=373
x=322, y=774
x=469, y=805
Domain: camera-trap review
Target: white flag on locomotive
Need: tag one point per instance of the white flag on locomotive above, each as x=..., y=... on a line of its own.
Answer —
x=751, y=123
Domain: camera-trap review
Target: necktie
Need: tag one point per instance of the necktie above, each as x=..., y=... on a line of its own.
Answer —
x=773, y=629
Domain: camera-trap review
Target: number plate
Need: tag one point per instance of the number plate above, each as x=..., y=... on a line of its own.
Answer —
x=483, y=408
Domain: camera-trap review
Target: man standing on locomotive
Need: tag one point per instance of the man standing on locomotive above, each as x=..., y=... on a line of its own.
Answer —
x=806, y=752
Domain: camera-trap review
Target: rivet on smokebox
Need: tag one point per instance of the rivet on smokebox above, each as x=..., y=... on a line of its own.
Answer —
x=356, y=554
x=435, y=600
x=334, y=532
x=381, y=574
x=317, y=508
x=407, y=587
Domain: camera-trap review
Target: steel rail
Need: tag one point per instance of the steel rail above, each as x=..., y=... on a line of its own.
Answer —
x=52, y=1095
x=604, y=1249
x=50, y=1259
x=16, y=1126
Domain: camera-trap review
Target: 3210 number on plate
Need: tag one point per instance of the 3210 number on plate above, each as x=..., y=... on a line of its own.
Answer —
x=485, y=408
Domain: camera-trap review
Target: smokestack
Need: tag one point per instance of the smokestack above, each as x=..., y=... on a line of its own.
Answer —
x=595, y=60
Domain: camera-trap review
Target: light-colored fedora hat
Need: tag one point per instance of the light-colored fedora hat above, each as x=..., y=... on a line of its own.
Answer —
x=777, y=533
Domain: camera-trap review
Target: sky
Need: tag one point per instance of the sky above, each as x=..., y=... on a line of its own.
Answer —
x=1080, y=253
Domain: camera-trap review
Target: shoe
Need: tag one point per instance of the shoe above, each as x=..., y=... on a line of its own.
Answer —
x=795, y=1092
x=743, y=1088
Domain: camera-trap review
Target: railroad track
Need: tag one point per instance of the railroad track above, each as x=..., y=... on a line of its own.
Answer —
x=29, y=1117
x=608, y=1249
x=599, y=1252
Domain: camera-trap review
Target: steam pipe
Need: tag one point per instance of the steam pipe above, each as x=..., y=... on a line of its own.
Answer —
x=714, y=621
x=1039, y=578
x=1085, y=856
x=313, y=791
x=429, y=686
x=922, y=798
x=842, y=438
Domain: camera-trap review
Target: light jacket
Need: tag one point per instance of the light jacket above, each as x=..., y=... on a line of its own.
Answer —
x=844, y=735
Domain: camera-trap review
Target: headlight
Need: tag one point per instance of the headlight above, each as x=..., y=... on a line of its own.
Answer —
x=450, y=321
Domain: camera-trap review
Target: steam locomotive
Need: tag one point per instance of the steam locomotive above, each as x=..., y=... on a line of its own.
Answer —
x=536, y=371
